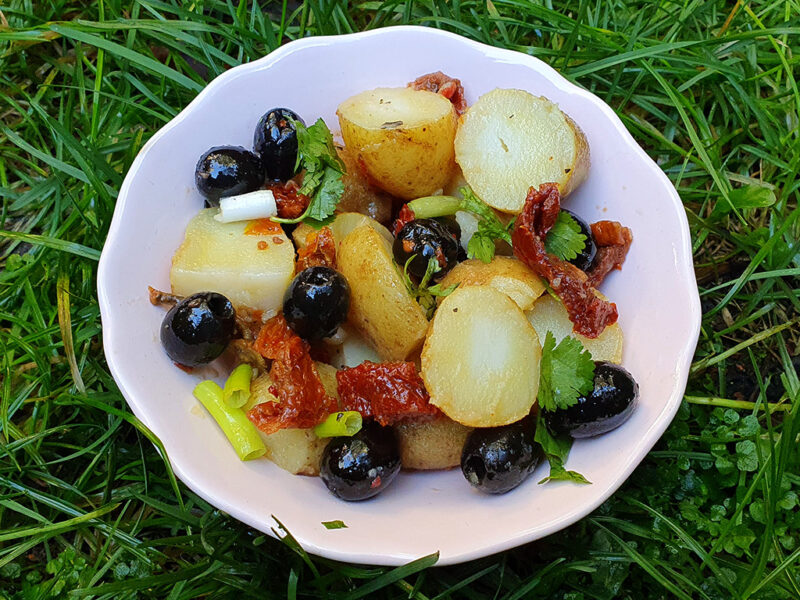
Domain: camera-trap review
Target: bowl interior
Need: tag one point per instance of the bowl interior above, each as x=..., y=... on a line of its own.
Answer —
x=422, y=512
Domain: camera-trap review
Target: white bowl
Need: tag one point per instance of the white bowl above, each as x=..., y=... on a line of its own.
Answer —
x=420, y=513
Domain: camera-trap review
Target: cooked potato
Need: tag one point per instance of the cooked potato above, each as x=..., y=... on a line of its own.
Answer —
x=549, y=314
x=343, y=224
x=354, y=350
x=510, y=140
x=220, y=257
x=381, y=308
x=298, y=451
x=402, y=137
x=507, y=275
x=480, y=362
x=360, y=195
x=426, y=445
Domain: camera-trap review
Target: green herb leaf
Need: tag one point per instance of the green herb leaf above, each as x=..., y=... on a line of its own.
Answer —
x=567, y=372
x=556, y=450
x=565, y=239
x=327, y=197
x=334, y=524
x=426, y=295
x=490, y=228
x=749, y=196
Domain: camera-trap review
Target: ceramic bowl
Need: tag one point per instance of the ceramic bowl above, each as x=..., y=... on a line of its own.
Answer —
x=422, y=512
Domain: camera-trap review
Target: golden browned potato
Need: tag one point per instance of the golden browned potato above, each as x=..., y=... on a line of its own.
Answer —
x=298, y=451
x=343, y=224
x=402, y=137
x=381, y=308
x=426, y=445
x=505, y=274
x=510, y=140
x=549, y=314
x=480, y=362
x=360, y=196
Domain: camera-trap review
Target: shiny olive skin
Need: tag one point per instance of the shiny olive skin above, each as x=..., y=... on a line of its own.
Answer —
x=361, y=466
x=495, y=460
x=275, y=139
x=608, y=405
x=227, y=171
x=198, y=329
x=423, y=239
x=584, y=259
x=316, y=302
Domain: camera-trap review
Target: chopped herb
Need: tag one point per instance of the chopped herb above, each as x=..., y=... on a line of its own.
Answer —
x=556, y=450
x=567, y=372
x=565, y=239
x=334, y=524
x=423, y=293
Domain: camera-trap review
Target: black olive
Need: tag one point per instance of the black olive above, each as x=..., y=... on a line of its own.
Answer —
x=197, y=329
x=421, y=240
x=361, y=466
x=584, y=259
x=495, y=460
x=608, y=405
x=227, y=171
x=316, y=302
x=275, y=140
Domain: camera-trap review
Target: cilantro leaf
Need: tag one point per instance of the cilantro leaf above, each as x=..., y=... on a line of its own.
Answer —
x=567, y=372
x=556, y=450
x=490, y=228
x=322, y=180
x=565, y=239
x=424, y=294
x=338, y=524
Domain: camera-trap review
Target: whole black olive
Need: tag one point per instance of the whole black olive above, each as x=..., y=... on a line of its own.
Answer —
x=227, y=171
x=584, y=259
x=275, y=139
x=361, y=466
x=316, y=302
x=421, y=240
x=197, y=329
x=495, y=460
x=608, y=405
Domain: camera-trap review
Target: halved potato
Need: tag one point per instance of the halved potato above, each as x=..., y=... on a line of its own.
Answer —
x=220, y=257
x=505, y=274
x=510, y=140
x=298, y=451
x=549, y=314
x=343, y=224
x=402, y=137
x=436, y=444
x=359, y=195
x=381, y=308
x=480, y=362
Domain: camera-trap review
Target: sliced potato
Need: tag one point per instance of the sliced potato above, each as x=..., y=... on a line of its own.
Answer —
x=343, y=224
x=507, y=275
x=402, y=137
x=426, y=445
x=298, y=451
x=480, y=362
x=549, y=314
x=510, y=140
x=381, y=308
x=355, y=350
x=220, y=257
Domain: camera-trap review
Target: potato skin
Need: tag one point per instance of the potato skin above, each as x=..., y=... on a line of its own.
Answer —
x=380, y=306
x=428, y=445
x=402, y=137
x=505, y=274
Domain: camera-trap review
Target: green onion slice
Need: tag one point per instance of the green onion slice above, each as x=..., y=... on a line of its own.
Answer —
x=338, y=424
x=241, y=433
x=237, y=386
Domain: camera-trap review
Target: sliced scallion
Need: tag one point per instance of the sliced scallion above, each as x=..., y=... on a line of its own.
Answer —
x=245, y=207
x=241, y=433
x=338, y=424
x=237, y=387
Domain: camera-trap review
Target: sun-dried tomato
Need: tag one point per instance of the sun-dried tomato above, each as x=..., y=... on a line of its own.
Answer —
x=388, y=392
x=589, y=314
x=319, y=251
x=439, y=83
x=406, y=215
x=291, y=204
x=302, y=400
x=612, y=241
x=263, y=227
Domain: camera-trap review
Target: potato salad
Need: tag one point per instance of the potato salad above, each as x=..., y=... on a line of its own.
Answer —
x=409, y=295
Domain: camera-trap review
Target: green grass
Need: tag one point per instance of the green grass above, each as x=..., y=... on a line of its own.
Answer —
x=89, y=510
